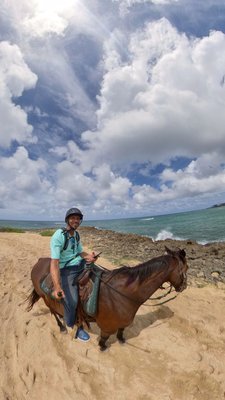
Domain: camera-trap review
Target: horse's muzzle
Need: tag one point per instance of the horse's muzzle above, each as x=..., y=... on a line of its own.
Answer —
x=183, y=284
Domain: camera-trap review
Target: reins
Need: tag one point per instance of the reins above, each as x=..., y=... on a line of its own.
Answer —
x=134, y=301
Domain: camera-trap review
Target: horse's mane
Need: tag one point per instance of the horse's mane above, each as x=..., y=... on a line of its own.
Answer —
x=143, y=270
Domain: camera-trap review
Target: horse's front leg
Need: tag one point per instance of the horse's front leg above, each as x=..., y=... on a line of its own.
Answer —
x=61, y=326
x=120, y=336
x=102, y=341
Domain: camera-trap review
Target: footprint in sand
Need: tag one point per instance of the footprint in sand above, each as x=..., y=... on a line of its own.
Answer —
x=28, y=377
x=83, y=368
x=221, y=330
x=197, y=357
x=211, y=369
x=25, y=332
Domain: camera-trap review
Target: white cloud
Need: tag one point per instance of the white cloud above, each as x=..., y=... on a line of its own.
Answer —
x=72, y=185
x=35, y=111
x=39, y=18
x=111, y=186
x=63, y=85
x=99, y=191
x=126, y=5
x=161, y=97
x=186, y=187
x=205, y=175
x=53, y=36
x=23, y=185
x=166, y=101
x=15, y=77
x=46, y=18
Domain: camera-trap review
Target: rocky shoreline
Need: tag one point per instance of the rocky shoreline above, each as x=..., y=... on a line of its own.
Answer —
x=206, y=262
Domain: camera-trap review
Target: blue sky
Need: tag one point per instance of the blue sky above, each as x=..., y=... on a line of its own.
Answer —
x=116, y=107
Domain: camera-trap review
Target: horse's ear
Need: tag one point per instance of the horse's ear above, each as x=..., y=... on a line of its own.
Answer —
x=182, y=254
x=168, y=250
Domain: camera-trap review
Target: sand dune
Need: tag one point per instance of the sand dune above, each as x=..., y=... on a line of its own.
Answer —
x=173, y=352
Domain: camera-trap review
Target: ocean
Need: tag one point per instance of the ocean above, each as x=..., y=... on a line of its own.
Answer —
x=204, y=226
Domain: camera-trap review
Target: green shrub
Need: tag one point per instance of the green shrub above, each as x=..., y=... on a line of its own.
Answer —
x=48, y=232
x=11, y=230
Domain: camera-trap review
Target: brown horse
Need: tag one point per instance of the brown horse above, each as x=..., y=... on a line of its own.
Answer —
x=122, y=291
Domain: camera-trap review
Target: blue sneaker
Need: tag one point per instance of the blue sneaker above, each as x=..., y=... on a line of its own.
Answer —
x=82, y=335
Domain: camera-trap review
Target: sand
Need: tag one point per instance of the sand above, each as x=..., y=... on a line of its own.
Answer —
x=174, y=351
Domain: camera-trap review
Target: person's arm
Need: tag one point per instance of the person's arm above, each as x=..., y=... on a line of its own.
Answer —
x=54, y=270
x=88, y=257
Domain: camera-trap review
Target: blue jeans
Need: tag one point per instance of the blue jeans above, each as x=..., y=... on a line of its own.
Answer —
x=69, y=286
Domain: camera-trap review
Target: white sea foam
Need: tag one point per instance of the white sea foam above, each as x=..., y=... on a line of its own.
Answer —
x=165, y=234
x=147, y=219
x=204, y=242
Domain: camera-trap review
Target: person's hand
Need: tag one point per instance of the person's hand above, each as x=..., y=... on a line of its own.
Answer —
x=90, y=258
x=97, y=255
x=58, y=294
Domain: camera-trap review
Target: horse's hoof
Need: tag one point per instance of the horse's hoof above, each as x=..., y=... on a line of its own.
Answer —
x=122, y=340
x=63, y=330
x=103, y=348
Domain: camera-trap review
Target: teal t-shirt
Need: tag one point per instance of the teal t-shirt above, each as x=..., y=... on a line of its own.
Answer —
x=71, y=253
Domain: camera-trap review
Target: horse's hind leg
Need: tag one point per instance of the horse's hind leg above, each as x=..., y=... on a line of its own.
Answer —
x=102, y=342
x=120, y=336
x=61, y=326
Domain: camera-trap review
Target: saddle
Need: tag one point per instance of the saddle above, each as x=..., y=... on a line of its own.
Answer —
x=89, y=284
x=88, y=288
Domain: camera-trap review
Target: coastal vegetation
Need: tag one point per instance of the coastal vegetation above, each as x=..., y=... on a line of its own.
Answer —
x=218, y=205
x=11, y=230
x=47, y=232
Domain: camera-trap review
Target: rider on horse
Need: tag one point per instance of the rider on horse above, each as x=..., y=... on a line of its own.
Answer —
x=67, y=262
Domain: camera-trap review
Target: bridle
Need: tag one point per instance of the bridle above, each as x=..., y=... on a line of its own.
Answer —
x=183, y=276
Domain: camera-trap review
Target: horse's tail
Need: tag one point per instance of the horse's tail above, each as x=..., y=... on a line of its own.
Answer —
x=32, y=299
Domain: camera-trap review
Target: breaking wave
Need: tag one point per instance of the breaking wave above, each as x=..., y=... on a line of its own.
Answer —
x=165, y=234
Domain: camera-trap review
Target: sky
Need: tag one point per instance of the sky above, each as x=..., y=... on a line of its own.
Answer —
x=115, y=107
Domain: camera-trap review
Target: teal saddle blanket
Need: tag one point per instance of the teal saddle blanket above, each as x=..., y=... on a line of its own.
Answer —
x=90, y=301
x=88, y=283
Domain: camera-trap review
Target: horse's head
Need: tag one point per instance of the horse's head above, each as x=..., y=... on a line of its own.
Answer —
x=178, y=275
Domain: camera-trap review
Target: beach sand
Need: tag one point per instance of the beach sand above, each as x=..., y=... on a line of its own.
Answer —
x=174, y=351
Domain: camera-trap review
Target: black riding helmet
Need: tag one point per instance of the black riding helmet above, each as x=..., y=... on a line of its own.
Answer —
x=73, y=211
